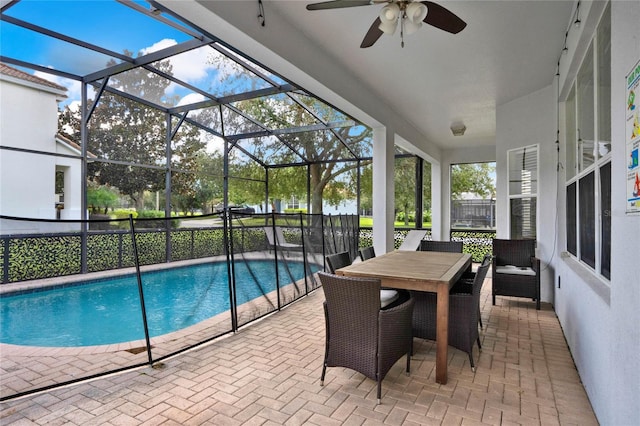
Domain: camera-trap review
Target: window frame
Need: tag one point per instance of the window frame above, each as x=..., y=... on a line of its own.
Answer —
x=530, y=195
x=591, y=174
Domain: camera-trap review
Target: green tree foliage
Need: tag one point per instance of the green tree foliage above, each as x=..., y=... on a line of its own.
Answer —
x=329, y=179
x=476, y=178
x=101, y=197
x=405, y=186
x=321, y=148
x=123, y=130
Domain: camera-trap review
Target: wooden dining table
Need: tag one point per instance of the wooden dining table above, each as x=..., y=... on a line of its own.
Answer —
x=419, y=271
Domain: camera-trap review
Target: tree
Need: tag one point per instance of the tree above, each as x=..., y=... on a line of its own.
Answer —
x=123, y=130
x=323, y=149
x=476, y=178
x=320, y=148
x=405, y=186
x=101, y=197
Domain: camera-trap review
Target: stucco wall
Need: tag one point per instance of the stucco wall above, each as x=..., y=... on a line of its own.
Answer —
x=530, y=120
x=29, y=118
x=599, y=318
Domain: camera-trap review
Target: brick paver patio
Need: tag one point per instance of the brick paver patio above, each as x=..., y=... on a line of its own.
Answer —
x=268, y=373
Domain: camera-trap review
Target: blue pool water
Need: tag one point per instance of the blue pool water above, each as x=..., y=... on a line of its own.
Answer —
x=108, y=311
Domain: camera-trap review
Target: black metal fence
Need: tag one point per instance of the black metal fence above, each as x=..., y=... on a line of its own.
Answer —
x=101, y=301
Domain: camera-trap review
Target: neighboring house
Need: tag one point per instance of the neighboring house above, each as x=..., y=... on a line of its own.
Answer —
x=345, y=206
x=33, y=156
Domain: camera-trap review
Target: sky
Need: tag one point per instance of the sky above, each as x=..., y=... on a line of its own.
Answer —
x=113, y=26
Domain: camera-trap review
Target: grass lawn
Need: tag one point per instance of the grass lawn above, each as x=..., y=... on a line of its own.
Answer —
x=367, y=222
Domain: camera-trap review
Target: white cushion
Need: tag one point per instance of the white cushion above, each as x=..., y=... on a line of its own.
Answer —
x=387, y=297
x=516, y=270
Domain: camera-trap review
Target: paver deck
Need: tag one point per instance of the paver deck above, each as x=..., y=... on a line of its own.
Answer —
x=269, y=373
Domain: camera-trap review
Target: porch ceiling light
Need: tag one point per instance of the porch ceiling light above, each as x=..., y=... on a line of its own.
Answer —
x=458, y=129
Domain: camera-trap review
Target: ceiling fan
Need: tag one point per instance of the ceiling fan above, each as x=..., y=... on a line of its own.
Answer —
x=410, y=13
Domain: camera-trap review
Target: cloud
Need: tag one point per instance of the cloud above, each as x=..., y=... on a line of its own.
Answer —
x=73, y=86
x=190, y=66
x=191, y=99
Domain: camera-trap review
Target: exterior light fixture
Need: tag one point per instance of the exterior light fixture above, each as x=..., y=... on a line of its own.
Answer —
x=577, y=21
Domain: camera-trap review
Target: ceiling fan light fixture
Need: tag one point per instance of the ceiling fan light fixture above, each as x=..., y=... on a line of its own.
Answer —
x=411, y=27
x=416, y=12
x=388, y=28
x=389, y=18
x=411, y=14
x=390, y=12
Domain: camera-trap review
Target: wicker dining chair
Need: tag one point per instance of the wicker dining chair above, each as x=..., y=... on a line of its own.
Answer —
x=446, y=246
x=359, y=334
x=463, y=315
x=388, y=297
x=449, y=247
x=338, y=260
x=366, y=253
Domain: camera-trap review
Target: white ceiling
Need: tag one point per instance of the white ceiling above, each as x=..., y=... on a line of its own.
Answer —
x=508, y=49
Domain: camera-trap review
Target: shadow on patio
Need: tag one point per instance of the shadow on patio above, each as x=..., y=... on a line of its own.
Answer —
x=269, y=372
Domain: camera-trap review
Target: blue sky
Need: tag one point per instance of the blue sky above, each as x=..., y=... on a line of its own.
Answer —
x=108, y=24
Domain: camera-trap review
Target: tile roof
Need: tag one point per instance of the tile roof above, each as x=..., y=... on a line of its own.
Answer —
x=14, y=72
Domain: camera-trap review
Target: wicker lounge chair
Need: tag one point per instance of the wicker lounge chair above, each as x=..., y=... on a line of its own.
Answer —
x=463, y=315
x=276, y=240
x=412, y=240
x=366, y=253
x=516, y=269
x=360, y=335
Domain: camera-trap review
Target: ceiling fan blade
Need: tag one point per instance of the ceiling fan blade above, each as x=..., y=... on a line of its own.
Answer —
x=338, y=4
x=373, y=34
x=442, y=18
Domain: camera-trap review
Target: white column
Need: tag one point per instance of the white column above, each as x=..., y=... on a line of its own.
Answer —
x=383, y=189
x=436, y=201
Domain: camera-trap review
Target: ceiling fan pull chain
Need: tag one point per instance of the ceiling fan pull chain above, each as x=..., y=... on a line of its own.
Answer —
x=402, y=31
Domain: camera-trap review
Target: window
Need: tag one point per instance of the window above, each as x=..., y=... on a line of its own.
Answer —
x=523, y=191
x=588, y=135
x=605, y=214
x=572, y=224
x=294, y=203
x=587, y=219
x=59, y=189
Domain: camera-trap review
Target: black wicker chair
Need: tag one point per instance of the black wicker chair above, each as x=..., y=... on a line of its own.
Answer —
x=516, y=269
x=338, y=260
x=360, y=335
x=447, y=246
x=366, y=253
x=463, y=315
x=450, y=247
x=388, y=297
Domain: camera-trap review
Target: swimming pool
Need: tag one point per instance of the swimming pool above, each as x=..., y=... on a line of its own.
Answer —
x=108, y=311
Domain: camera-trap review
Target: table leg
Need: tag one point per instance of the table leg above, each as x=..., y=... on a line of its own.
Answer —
x=442, y=333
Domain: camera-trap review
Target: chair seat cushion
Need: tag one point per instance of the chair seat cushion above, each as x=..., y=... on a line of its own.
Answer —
x=387, y=297
x=515, y=270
